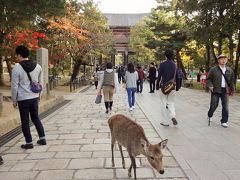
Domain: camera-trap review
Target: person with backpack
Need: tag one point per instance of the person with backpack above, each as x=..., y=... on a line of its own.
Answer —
x=25, y=74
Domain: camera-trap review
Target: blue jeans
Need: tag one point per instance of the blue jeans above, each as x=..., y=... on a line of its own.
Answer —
x=26, y=107
x=131, y=96
x=214, y=104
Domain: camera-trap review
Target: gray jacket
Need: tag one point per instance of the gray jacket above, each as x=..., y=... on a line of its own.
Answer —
x=21, y=85
x=131, y=79
x=214, y=78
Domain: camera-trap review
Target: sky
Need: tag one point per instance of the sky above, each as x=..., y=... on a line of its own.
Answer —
x=126, y=6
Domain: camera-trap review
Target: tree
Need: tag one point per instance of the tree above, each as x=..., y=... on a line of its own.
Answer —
x=24, y=14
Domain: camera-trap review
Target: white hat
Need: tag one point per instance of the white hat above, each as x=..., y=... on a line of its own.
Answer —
x=221, y=56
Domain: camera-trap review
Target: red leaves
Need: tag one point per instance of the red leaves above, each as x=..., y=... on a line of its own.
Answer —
x=27, y=37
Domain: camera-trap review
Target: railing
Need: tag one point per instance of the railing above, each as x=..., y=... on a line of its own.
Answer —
x=78, y=82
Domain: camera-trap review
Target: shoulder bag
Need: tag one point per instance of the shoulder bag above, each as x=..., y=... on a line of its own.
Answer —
x=169, y=86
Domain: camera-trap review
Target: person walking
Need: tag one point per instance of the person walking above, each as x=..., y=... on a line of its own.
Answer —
x=23, y=97
x=95, y=77
x=131, y=78
x=109, y=84
x=152, y=77
x=167, y=72
x=140, y=79
x=220, y=81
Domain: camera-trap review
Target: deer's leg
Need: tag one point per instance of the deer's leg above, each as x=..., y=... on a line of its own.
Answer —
x=123, y=161
x=134, y=166
x=129, y=171
x=112, y=146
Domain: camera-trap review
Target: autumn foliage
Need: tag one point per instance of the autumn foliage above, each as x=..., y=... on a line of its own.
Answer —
x=27, y=37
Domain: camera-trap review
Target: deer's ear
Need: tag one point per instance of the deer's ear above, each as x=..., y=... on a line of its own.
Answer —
x=163, y=144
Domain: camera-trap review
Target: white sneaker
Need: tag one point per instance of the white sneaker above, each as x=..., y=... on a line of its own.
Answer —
x=133, y=107
x=224, y=125
x=130, y=109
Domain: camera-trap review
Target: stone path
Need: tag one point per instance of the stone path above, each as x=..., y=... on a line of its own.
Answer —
x=79, y=145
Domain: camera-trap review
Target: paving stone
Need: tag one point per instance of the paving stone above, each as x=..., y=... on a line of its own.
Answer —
x=59, y=148
x=42, y=155
x=84, y=131
x=9, y=157
x=73, y=155
x=56, y=175
x=140, y=173
x=102, y=141
x=49, y=164
x=118, y=162
x=78, y=141
x=95, y=147
x=18, y=175
x=94, y=174
x=23, y=166
x=70, y=136
x=96, y=135
x=86, y=163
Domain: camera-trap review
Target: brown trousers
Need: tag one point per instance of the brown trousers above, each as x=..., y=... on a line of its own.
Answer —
x=108, y=93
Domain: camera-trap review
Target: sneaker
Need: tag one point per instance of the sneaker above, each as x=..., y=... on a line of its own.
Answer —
x=133, y=107
x=164, y=124
x=42, y=142
x=27, y=146
x=174, y=121
x=130, y=109
x=106, y=111
x=1, y=160
x=225, y=125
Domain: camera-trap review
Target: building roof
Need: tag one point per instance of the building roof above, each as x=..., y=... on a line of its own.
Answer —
x=126, y=20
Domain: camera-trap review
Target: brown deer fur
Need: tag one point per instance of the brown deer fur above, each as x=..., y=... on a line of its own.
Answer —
x=131, y=135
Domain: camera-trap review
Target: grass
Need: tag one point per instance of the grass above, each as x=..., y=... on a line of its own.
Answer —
x=198, y=85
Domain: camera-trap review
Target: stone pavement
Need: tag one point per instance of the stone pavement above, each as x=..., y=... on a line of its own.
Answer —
x=203, y=152
x=78, y=146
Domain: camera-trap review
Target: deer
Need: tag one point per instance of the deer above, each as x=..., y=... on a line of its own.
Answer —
x=131, y=135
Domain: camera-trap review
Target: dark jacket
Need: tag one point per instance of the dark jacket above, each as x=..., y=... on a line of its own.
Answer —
x=152, y=73
x=214, y=78
x=166, y=71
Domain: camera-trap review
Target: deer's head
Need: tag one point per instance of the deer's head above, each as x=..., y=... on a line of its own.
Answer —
x=154, y=154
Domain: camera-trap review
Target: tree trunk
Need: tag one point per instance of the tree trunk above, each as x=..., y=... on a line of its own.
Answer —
x=207, y=57
x=76, y=68
x=231, y=49
x=220, y=42
x=212, y=49
x=9, y=67
x=180, y=64
x=237, y=58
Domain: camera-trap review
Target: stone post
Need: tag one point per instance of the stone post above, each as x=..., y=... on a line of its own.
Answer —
x=42, y=60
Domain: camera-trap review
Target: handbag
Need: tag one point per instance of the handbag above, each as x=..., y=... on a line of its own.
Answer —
x=230, y=90
x=34, y=86
x=98, y=99
x=169, y=86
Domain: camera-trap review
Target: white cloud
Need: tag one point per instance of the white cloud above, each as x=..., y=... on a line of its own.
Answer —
x=126, y=6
